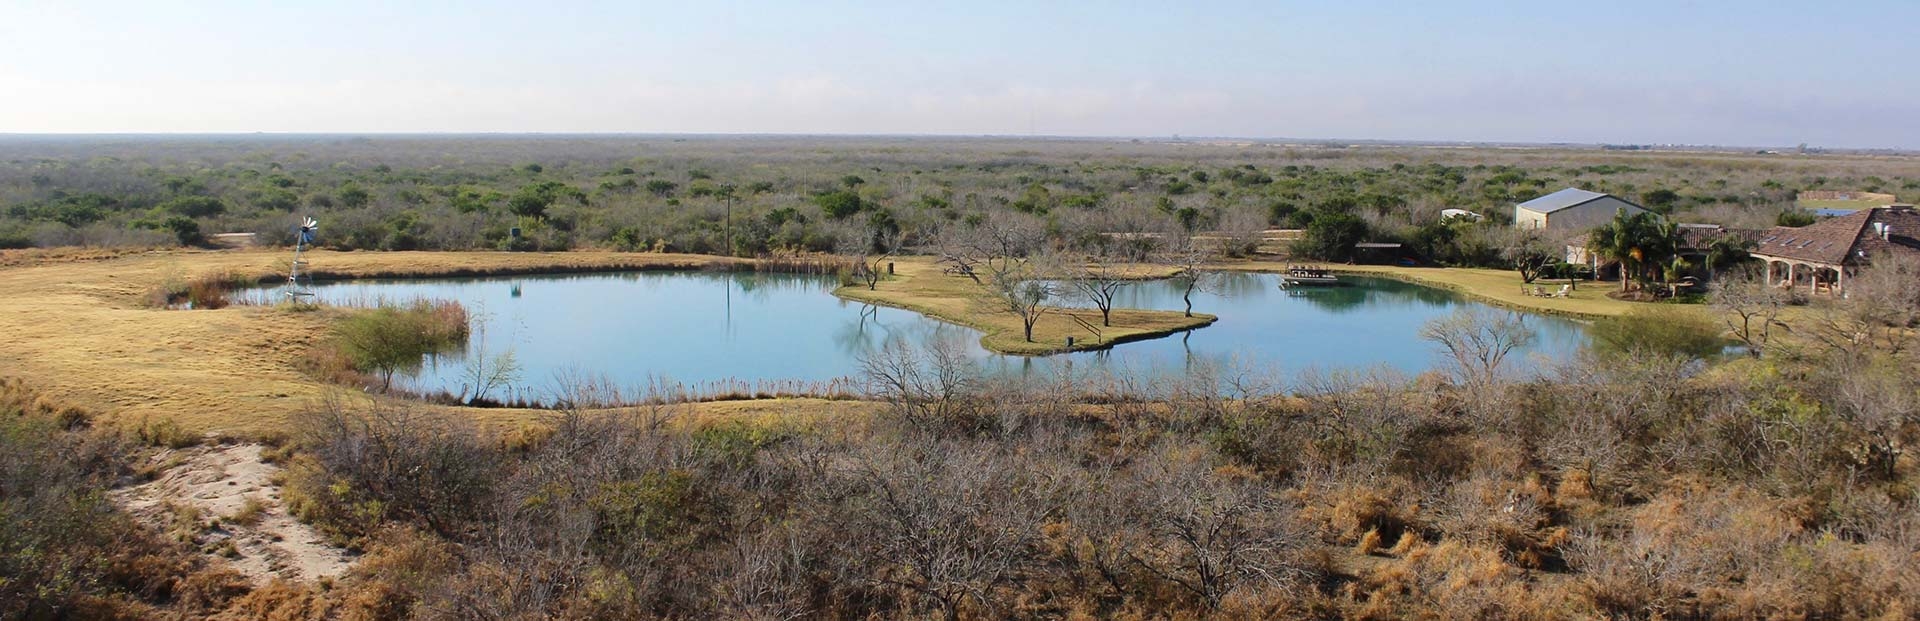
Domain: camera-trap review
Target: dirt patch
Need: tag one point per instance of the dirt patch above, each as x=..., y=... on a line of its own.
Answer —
x=225, y=500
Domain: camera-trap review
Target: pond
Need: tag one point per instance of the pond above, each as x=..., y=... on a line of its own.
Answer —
x=728, y=332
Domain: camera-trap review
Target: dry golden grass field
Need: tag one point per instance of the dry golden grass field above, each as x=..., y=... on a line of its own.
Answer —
x=77, y=325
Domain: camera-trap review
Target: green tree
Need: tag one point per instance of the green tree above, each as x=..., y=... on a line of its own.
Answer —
x=533, y=199
x=353, y=196
x=195, y=206
x=1795, y=217
x=840, y=204
x=1331, y=236
x=1727, y=251
x=1641, y=242
x=1661, y=200
x=388, y=339
x=184, y=229
x=274, y=198
x=662, y=187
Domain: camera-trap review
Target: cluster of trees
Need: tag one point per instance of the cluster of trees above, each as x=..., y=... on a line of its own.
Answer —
x=824, y=194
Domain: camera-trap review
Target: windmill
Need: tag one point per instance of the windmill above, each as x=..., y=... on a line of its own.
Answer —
x=301, y=238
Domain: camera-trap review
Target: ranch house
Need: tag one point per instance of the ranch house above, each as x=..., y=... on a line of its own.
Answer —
x=1821, y=255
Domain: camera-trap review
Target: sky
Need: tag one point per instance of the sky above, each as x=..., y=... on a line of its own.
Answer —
x=1752, y=73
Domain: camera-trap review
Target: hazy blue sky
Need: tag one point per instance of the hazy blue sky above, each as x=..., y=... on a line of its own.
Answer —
x=1844, y=73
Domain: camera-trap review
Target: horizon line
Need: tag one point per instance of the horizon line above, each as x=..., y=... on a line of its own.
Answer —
x=1160, y=138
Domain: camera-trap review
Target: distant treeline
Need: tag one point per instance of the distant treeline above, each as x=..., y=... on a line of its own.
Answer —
x=641, y=193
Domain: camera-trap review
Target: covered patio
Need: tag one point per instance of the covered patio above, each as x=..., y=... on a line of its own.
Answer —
x=1823, y=255
x=1815, y=278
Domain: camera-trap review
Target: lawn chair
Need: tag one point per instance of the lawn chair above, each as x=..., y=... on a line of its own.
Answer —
x=1565, y=290
x=1540, y=291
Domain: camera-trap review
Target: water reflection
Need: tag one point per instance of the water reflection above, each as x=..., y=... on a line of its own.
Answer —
x=703, y=327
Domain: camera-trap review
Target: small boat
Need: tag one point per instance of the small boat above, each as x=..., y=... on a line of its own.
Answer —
x=1301, y=276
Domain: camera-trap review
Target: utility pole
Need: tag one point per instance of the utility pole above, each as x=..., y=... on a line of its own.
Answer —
x=726, y=191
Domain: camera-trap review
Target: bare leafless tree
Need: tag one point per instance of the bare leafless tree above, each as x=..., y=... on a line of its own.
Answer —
x=1529, y=251
x=1189, y=256
x=1878, y=314
x=1477, y=341
x=929, y=387
x=1025, y=287
x=945, y=522
x=1204, y=533
x=993, y=245
x=1750, y=307
x=872, y=249
x=1098, y=280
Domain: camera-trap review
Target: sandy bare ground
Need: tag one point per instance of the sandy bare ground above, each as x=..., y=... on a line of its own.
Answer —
x=208, y=487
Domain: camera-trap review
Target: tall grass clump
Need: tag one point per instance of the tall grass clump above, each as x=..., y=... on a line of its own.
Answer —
x=206, y=292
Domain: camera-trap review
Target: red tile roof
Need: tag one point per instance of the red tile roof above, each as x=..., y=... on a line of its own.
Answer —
x=1846, y=240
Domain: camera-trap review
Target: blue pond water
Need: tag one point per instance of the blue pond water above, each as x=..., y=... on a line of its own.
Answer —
x=774, y=330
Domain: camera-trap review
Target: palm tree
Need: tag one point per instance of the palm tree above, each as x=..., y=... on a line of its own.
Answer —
x=1641, y=242
x=1727, y=250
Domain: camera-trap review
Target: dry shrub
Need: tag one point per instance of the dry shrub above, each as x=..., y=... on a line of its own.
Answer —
x=249, y=513
x=1346, y=510
x=207, y=295
x=17, y=397
x=205, y=292
x=163, y=432
x=329, y=363
x=209, y=588
x=1513, y=517
x=1407, y=543
x=1370, y=542
x=1695, y=548
x=1454, y=580
x=399, y=567
x=283, y=601
x=65, y=548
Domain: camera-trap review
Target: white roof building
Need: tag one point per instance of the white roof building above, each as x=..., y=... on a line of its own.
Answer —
x=1572, y=209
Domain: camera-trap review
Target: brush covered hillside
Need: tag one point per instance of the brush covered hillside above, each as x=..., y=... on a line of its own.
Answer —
x=675, y=194
x=213, y=469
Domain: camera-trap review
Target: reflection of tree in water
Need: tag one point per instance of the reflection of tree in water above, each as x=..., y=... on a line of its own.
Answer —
x=1374, y=292
x=1243, y=286
x=870, y=330
x=761, y=286
x=758, y=285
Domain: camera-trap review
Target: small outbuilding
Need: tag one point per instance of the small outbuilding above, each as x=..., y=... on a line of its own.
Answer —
x=1572, y=209
x=1377, y=253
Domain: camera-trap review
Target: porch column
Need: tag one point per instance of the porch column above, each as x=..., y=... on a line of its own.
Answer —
x=1813, y=280
x=1840, y=281
x=1790, y=275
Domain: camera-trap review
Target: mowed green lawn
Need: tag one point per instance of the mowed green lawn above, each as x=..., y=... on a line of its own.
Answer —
x=1588, y=299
